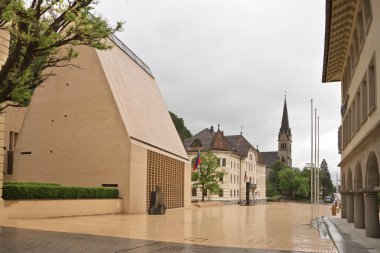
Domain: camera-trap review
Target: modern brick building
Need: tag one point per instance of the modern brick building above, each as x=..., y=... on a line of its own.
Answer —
x=104, y=123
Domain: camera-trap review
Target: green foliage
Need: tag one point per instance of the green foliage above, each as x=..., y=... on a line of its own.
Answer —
x=289, y=180
x=326, y=185
x=303, y=188
x=208, y=178
x=273, y=181
x=43, y=34
x=31, y=183
x=274, y=198
x=18, y=191
x=179, y=124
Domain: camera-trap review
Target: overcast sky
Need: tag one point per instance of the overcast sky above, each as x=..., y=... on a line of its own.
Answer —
x=230, y=62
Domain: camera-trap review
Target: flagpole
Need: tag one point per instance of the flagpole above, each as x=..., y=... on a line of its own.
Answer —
x=311, y=167
x=315, y=164
x=318, y=171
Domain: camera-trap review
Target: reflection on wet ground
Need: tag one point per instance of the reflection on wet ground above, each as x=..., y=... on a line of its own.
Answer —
x=274, y=226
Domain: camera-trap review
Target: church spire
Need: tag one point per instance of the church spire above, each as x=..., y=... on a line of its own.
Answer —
x=285, y=119
x=285, y=139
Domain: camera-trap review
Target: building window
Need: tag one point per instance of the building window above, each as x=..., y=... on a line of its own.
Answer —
x=353, y=117
x=221, y=179
x=353, y=59
x=371, y=86
x=218, y=162
x=367, y=13
x=349, y=124
x=360, y=26
x=364, y=92
x=230, y=193
x=221, y=193
x=224, y=162
x=358, y=109
x=194, y=192
x=205, y=192
x=231, y=179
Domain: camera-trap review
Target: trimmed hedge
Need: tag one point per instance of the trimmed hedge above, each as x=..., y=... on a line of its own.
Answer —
x=22, y=191
x=31, y=183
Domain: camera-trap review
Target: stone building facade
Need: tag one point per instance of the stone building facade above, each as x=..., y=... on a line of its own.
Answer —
x=239, y=160
x=352, y=57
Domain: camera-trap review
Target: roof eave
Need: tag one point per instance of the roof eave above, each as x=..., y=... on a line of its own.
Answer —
x=327, y=40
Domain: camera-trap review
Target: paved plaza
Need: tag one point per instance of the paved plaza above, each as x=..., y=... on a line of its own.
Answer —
x=273, y=226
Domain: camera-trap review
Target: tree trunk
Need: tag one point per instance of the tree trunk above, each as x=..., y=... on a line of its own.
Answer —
x=203, y=193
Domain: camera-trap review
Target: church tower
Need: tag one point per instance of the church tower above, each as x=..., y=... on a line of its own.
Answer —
x=285, y=139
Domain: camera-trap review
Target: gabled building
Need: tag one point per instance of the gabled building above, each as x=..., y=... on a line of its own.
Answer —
x=352, y=57
x=236, y=157
x=104, y=123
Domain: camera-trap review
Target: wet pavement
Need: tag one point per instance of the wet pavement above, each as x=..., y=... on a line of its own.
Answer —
x=349, y=239
x=16, y=240
x=274, y=227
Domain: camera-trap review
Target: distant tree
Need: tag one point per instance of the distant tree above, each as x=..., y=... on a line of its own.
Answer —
x=208, y=176
x=289, y=181
x=326, y=185
x=305, y=173
x=179, y=124
x=273, y=180
x=303, y=185
x=43, y=34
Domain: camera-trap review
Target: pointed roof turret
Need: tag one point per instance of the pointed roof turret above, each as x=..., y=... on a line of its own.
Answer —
x=220, y=142
x=285, y=120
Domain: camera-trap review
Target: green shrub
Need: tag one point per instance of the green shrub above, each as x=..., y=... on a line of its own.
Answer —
x=274, y=198
x=31, y=183
x=43, y=191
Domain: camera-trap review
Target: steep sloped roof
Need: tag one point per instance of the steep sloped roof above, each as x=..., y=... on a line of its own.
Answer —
x=241, y=144
x=139, y=101
x=204, y=137
x=269, y=158
x=285, y=121
x=220, y=142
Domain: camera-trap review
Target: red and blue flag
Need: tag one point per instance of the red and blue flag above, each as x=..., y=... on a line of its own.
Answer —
x=198, y=161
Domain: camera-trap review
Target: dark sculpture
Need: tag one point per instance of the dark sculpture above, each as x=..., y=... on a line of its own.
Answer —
x=157, y=205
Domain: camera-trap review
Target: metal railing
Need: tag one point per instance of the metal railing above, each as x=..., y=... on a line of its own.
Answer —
x=129, y=52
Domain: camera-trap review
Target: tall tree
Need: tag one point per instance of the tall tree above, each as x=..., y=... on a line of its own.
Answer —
x=179, y=124
x=289, y=180
x=208, y=175
x=43, y=34
x=273, y=180
x=326, y=184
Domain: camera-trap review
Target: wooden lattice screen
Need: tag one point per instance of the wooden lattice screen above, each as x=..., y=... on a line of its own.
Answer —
x=168, y=173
